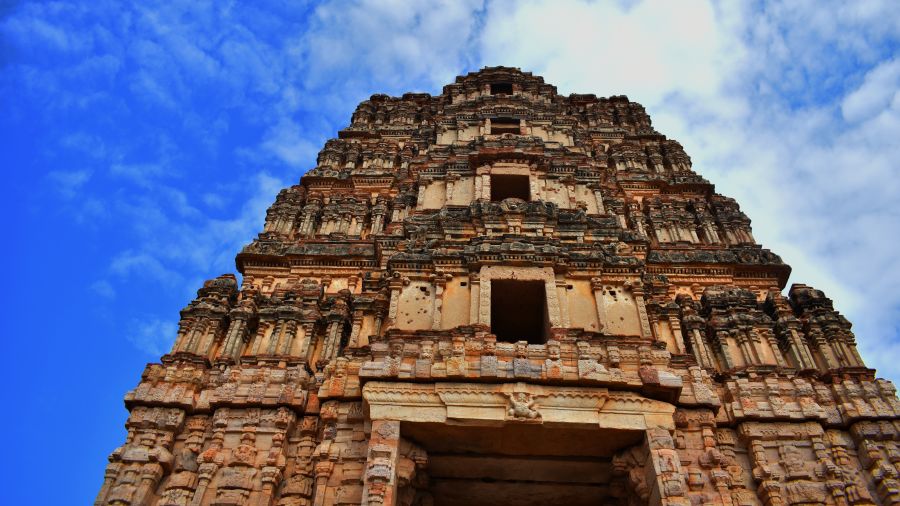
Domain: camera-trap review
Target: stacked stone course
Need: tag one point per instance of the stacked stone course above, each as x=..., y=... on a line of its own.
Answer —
x=360, y=342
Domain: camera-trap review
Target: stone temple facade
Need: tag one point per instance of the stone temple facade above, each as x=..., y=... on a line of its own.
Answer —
x=502, y=295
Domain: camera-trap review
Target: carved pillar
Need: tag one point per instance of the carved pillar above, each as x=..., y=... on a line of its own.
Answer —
x=597, y=287
x=355, y=328
x=598, y=196
x=237, y=333
x=724, y=348
x=474, y=297
x=380, y=479
x=637, y=290
x=554, y=306
x=150, y=475
x=288, y=336
x=873, y=458
x=767, y=475
x=675, y=325
x=275, y=337
x=745, y=342
x=420, y=198
x=309, y=339
x=323, y=470
x=701, y=351
x=450, y=180
x=798, y=349
x=484, y=302
x=190, y=340
x=109, y=477
x=396, y=285
x=816, y=336
x=440, y=282
x=332, y=341
x=769, y=336
x=563, y=296
x=210, y=460
x=670, y=487
x=486, y=186
x=377, y=222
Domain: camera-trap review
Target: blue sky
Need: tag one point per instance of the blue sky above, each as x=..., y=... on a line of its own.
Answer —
x=142, y=143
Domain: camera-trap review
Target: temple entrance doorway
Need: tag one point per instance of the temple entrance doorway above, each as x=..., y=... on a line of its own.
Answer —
x=525, y=465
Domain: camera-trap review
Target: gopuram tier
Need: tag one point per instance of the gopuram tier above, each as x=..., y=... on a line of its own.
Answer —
x=502, y=295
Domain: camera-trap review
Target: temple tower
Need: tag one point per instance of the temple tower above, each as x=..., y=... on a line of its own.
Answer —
x=502, y=295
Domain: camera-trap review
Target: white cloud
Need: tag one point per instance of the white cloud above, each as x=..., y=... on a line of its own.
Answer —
x=104, y=289
x=646, y=50
x=130, y=263
x=879, y=91
x=289, y=143
x=152, y=335
x=69, y=183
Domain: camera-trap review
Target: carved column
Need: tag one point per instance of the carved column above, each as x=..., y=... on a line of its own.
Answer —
x=237, y=333
x=484, y=302
x=474, y=297
x=797, y=347
x=670, y=486
x=742, y=337
x=420, y=198
x=355, y=328
x=724, y=348
x=451, y=180
x=323, y=470
x=486, y=186
x=380, y=479
x=563, y=296
x=554, y=306
x=309, y=339
x=816, y=336
x=637, y=290
x=190, y=340
x=109, y=478
x=597, y=287
x=211, y=459
x=150, y=475
x=769, y=336
x=289, y=334
x=396, y=285
x=675, y=325
x=275, y=337
x=440, y=282
x=598, y=196
x=702, y=352
x=377, y=221
x=873, y=457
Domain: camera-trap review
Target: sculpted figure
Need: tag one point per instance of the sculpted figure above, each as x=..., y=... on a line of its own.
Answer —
x=522, y=406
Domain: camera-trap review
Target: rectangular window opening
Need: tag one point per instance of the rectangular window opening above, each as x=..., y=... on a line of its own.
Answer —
x=501, y=89
x=506, y=126
x=506, y=186
x=519, y=311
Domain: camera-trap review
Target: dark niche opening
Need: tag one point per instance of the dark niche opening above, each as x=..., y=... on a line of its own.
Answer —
x=518, y=464
x=506, y=126
x=501, y=89
x=519, y=311
x=505, y=186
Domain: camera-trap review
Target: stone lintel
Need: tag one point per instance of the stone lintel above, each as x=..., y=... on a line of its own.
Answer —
x=499, y=404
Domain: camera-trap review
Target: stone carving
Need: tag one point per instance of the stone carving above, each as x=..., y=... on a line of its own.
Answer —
x=522, y=406
x=500, y=294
